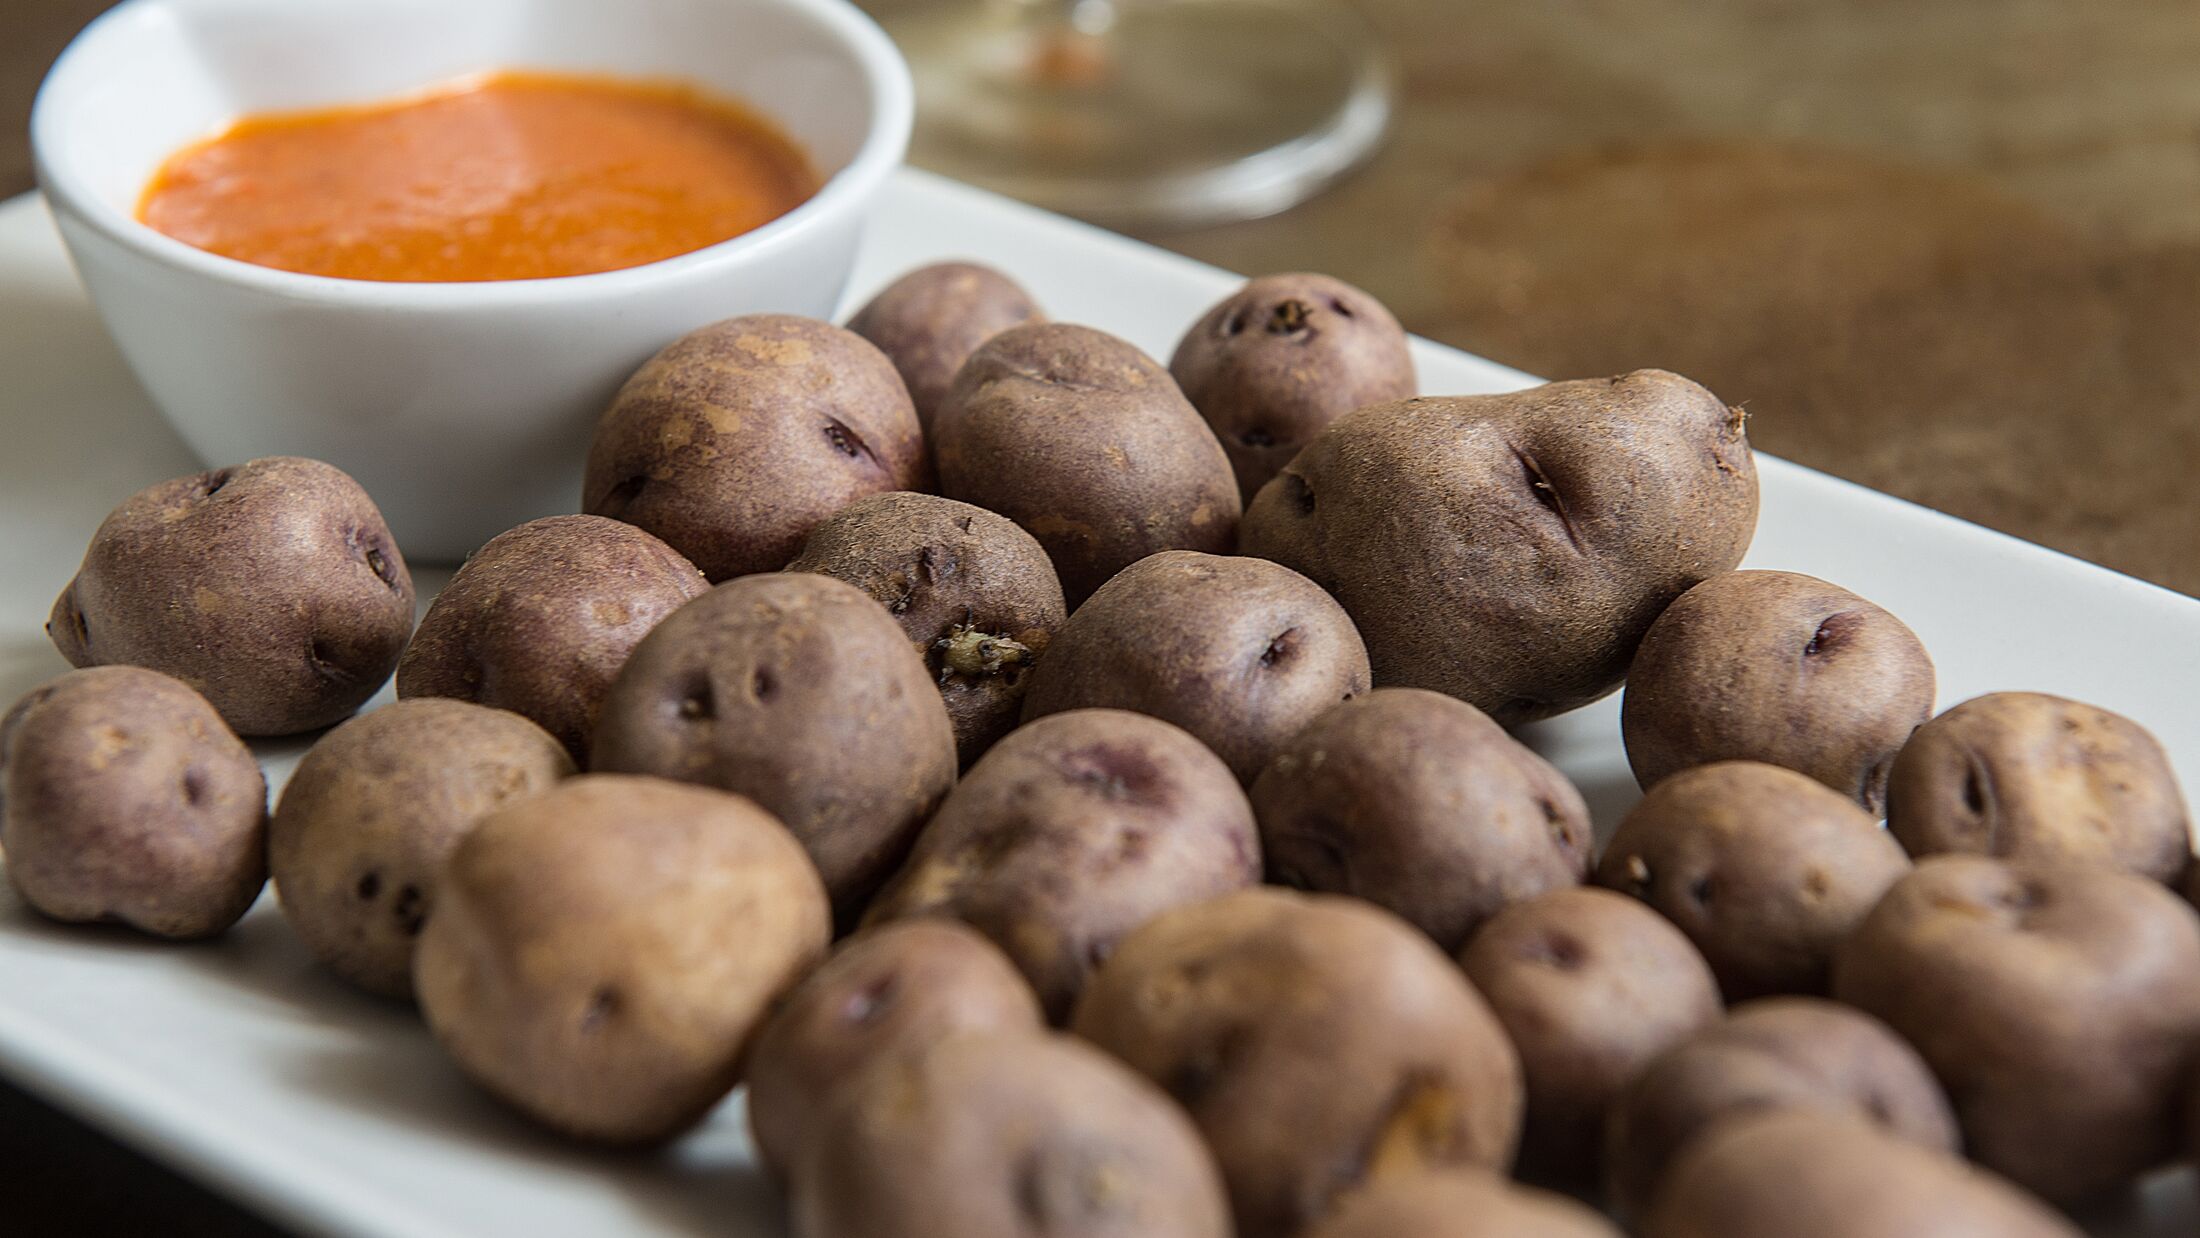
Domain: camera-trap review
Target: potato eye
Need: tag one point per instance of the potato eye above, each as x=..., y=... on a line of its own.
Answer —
x=369, y=886
x=845, y=441
x=1257, y=437
x=1289, y=317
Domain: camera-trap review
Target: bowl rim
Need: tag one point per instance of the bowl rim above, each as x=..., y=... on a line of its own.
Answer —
x=885, y=142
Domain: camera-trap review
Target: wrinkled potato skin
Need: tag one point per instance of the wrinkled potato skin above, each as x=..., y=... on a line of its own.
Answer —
x=540, y=620
x=2026, y=776
x=929, y=321
x=1242, y=653
x=1781, y=668
x=1419, y=803
x=1005, y=1136
x=1317, y=1041
x=271, y=587
x=2060, y=1007
x=1272, y=364
x=733, y=442
x=124, y=797
x=602, y=953
x=1458, y=1204
x=801, y=693
x=1765, y=869
x=1072, y=832
x=1085, y=442
x=365, y=824
x=1425, y=519
x=943, y=568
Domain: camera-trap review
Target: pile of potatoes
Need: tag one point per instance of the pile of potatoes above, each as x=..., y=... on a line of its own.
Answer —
x=1074, y=796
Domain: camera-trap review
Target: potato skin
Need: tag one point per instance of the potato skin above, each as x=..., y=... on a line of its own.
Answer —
x=929, y=321
x=1242, y=653
x=1511, y=550
x=2059, y=1005
x=124, y=797
x=365, y=824
x=2027, y=776
x=578, y=962
x=733, y=442
x=271, y=587
x=1085, y=442
x=1781, y=668
x=800, y=692
x=1070, y=833
x=1458, y=1204
x=955, y=577
x=1764, y=869
x=1272, y=364
x=1421, y=804
x=1319, y=1042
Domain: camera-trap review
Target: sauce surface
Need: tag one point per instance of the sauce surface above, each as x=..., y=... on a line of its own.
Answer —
x=506, y=176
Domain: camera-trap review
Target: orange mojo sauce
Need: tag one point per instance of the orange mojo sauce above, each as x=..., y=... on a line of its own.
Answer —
x=506, y=176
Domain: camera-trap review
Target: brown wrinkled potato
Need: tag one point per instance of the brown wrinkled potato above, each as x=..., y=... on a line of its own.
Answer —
x=1781, y=668
x=894, y=989
x=602, y=953
x=801, y=693
x=1458, y=1203
x=1763, y=868
x=1085, y=442
x=125, y=799
x=1319, y=1043
x=271, y=587
x=1511, y=550
x=741, y=436
x=2026, y=776
x=365, y=824
x=1272, y=364
x=1419, y=803
x=2059, y=1005
x=976, y=595
x=929, y=321
x=1073, y=831
x=1005, y=1136
x=1242, y=653
x=1590, y=985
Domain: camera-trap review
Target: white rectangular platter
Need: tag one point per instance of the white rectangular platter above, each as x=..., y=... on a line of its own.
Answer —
x=333, y=1113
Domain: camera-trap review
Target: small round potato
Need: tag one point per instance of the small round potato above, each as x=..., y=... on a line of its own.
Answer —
x=1781, y=668
x=739, y=437
x=2026, y=776
x=601, y=954
x=365, y=824
x=1458, y=1203
x=272, y=587
x=542, y=618
x=1764, y=869
x=1319, y=1042
x=1420, y=803
x=1243, y=653
x=929, y=321
x=124, y=798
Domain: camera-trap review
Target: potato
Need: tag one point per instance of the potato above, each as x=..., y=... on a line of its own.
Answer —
x=1590, y=985
x=602, y=953
x=1085, y=442
x=895, y=989
x=975, y=594
x=124, y=799
x=2026, y=776
x=2059, y=1005
x=272, y=588
x=365, y=824
x=1073, y=831
x=1318, y=1042
x=1458, y=1204
x=1005, y=1136
x=1272, y=364
x=1420, y=803
x=733, y=442
x=1763, y=868
x=1781, y=668
x=929, y=321
x=1242, y=653
x=1511, y=550
x=801, y=693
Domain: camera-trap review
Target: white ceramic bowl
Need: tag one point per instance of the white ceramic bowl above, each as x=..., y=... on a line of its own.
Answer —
x=463, y=408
